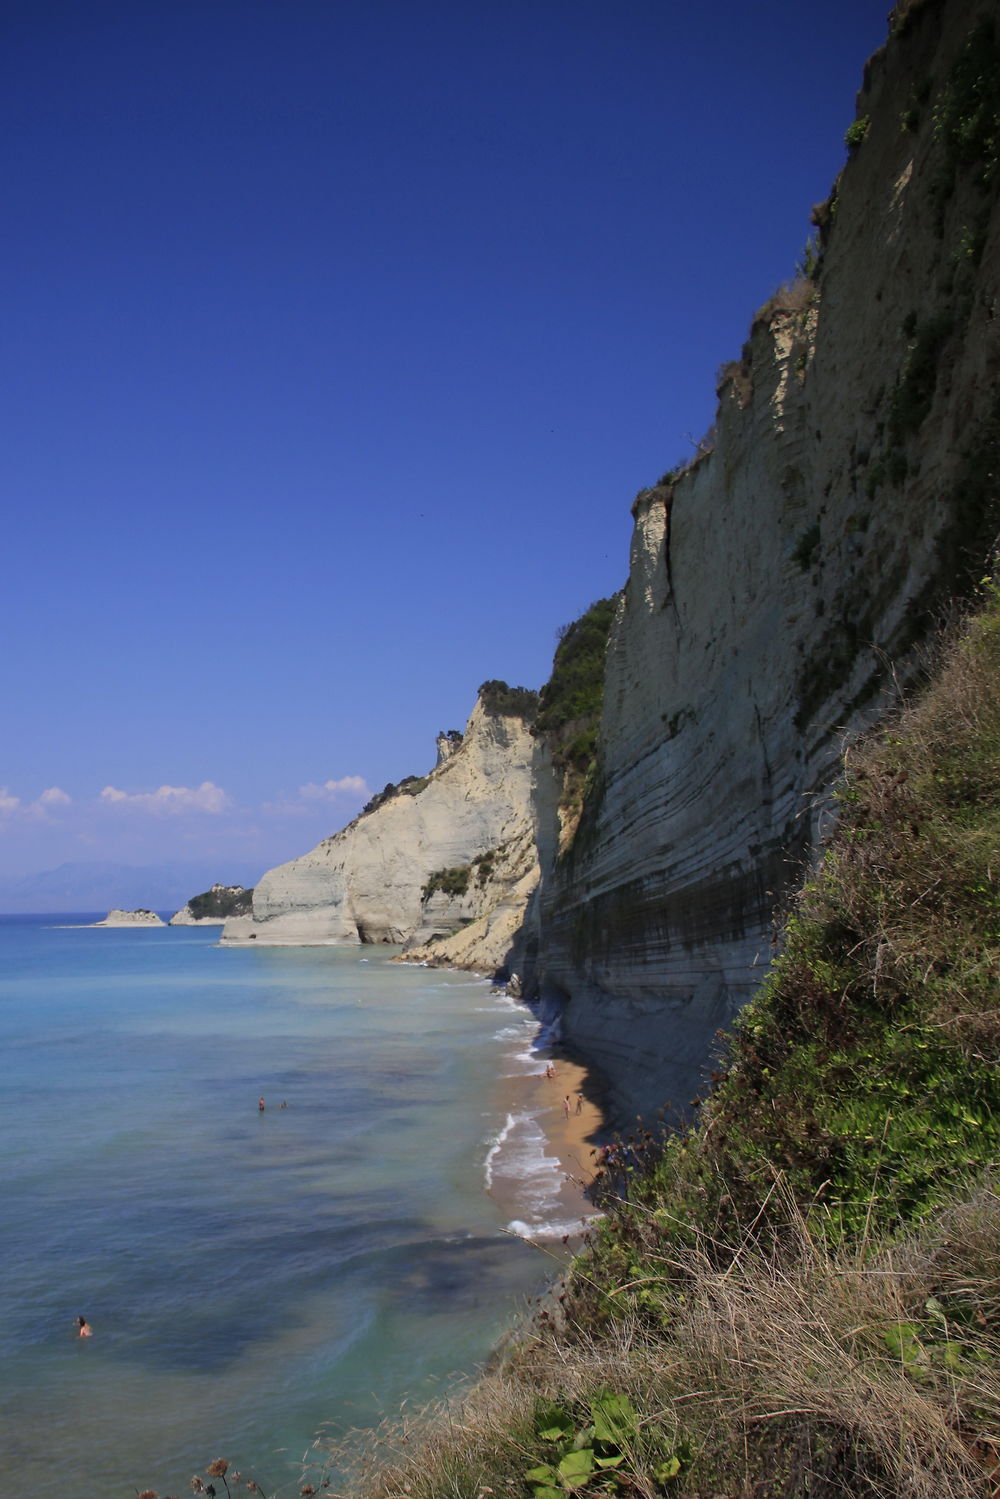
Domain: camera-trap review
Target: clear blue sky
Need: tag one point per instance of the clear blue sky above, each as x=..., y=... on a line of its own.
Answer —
x=338, y=339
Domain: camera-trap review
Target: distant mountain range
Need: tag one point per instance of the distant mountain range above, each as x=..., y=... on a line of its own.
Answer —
x=99, y=886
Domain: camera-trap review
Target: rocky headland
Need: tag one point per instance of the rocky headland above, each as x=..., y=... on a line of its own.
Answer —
x=427, y=856
x=214, y=907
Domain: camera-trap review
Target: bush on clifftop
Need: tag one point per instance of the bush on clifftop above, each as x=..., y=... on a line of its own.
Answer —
x=509, y=702
x=575, y=690
x=222, y=901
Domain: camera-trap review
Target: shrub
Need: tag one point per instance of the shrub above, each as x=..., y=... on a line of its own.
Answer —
x=454, y=881
x=509, y=702
x=575, y=690
x=389, y=790
x=967, y=113
x=222, y=901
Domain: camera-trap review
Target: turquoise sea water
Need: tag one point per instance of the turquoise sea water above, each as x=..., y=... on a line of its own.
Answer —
x=252, y=1279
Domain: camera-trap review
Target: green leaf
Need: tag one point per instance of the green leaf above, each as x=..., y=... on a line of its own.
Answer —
x=903, y=1343
x=546, y=1491
x=576, y=1468
x=615, y=1421
x=610, y=1462
x=934, y=1309
x=668, y=1470
x=552, y=1422
x=544, y=1473
x=949, y=1354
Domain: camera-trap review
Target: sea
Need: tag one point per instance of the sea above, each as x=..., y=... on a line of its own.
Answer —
x=259, y=1282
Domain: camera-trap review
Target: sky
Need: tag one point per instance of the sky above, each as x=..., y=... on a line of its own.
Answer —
x=338, y=340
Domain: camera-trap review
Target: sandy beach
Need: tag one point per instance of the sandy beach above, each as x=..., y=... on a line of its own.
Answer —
x=570, y=1143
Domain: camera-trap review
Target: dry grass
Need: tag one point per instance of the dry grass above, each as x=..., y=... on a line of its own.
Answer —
x=813, y=1369
x=917, y=874
x=799, y=1373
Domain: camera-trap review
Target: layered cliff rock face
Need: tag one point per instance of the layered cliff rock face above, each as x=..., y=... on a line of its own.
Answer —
x=367, y=883
x=772, y=583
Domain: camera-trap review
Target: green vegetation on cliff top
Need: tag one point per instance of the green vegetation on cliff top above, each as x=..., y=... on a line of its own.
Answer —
x=509, y=702
x=569, y=710
x=221, y=901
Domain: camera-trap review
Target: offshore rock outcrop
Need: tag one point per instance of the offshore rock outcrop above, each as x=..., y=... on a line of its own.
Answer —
x=367, y=883
x=139, y=917
x=852, y=484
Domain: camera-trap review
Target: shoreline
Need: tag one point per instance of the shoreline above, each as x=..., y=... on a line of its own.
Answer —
x=566, y=1146
x=566, y=1142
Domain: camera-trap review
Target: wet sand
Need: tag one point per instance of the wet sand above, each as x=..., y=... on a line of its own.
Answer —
x=572, y=1140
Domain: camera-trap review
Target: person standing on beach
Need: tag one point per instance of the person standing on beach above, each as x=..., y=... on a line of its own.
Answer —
x=566, y=1105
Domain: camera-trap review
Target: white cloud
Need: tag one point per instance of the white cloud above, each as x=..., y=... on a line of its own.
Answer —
x=48, y=801
x=346, y=786
x=168, y=800
x=146, y=825
x=54, y=797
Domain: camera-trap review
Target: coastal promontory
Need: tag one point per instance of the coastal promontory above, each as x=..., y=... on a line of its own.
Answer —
x=139, y=917
x=214, y=907
x=426, y=854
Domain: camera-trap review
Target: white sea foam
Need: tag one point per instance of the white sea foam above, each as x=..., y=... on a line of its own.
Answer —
x=496, y=1146
x=552, y=1230
x=503, y=1000
x=527, y=1063
x=518, y=1161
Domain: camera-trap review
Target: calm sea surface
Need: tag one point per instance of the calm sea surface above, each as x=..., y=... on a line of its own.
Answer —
x=252, y=1279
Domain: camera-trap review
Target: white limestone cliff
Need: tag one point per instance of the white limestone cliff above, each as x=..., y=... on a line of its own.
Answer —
x=778, y=584
x=365, y=884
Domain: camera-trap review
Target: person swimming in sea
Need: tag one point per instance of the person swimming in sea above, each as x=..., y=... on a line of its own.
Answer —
x=83, y=1328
